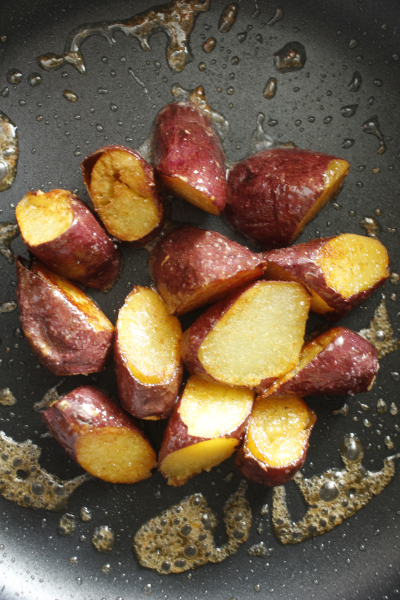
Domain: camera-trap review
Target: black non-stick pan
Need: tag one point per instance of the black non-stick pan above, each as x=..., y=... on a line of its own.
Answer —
x=357, y=559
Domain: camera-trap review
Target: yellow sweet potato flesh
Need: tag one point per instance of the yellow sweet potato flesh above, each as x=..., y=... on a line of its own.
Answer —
x=260, y=336
x=149, y=338
x=115, y=454
x=179, y=187
x=74, y=295
x=333, y=178
x=43, y=217
x=278, y=430
x=353, y=263
x=181, y=465
x=122, y=196
x=211, y=409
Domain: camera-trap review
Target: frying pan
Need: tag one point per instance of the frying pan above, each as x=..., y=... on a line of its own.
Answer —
x=358, y=559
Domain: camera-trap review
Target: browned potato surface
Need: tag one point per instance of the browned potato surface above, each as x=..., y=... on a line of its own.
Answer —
x=65, y=329
x=147, y=355
x=122, y=188
x=339, y=272
x=100, y=437
x=204, y=429
x=276, y=440
x=193, y=267
x=61, y=231
x=250, y=338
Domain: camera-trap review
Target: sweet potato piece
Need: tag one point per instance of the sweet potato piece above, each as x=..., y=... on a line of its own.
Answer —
x=122, y=188
x=64, y=328
x=100, y=437
x=273, y=194
x=276, y=440
x=339, y=361
x=250, y=338
x=188, y=157
x=192, y=267
x=204, y=429
x=61, y=231
x=147, y=355
x=339, y=272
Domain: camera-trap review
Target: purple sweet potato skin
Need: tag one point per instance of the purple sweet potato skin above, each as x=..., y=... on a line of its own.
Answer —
x=300, y=262
x=83, y=253
x=58, y=332
x=82, y=410
x=348, y=364
x=145, y=400
x=190, y=259
x=270, y=193
x=87, y=166
x=186, y=145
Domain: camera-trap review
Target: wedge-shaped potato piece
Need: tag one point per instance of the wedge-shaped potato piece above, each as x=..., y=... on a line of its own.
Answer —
x=276, y=440
x=204, y=429
x=339, y=272
x=188, y=157
x=339, y=361
x=147, y=355
x=193, y=267
x=122, y=188
x=250, y=338
x=65, y=329
x=61, y=231
x=100, y=437
x=273, y=194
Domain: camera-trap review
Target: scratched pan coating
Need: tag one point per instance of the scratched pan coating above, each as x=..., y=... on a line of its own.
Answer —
x=357, y=559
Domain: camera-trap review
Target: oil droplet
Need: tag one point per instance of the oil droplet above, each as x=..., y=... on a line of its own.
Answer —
x=230, y=90
x=394, y=278
x=349, y=110
x=378, y=82
x=258, y=550
x=260, y=139
x=67, y=525
x=14, y=76
x=202, y=66
x=331, y=497
x=103, y=538
x=159, y=545
x=50, y=396
x=388, y=442
x=113, y=107
x=393, y=409
x=209, y=45
x=372, y=126
x=242, y=37
x=259, y=38
x=106, y=568
x=395, y=376
x=235, y=60
x=353, y=43
x=371, y=226
x=5, y=92
x=291, y=57
x=7, y=398
x=8, y=231
x=264, y=510
x=228, y=17
x=177, y=19
x=381, y=322
x=381, y=406
x=348, y=143
x=365, y=407
x=355, y=82
x=341, y=412
x=278, y=16
x=367, y=423
x=70, y=96
x=34, y=79
x=270, y=88
x=85, y=514
x=327, y=120
x=7, y=307
x=8, y=152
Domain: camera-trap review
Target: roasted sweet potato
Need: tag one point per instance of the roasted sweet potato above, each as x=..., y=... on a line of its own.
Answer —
x=147, y=355
x=338, y=361
x=100, y=437
x=192, y=267
x=276, y=440
x=339, y=272
x=123, y=191
x=204, y=429
x=188, y=157
x=250, y=338
x=65, y=329
x=61, y=231
x=273, y=194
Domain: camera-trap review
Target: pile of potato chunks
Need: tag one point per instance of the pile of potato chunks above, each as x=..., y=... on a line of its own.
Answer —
x=248, y=366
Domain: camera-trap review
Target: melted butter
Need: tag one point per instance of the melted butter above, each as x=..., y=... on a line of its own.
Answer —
x=371, y=126
x=380, y=331
x=7, y=398
x=103, y=538
x=67, y=524
x=8, y=152
x=8, y=231
x=371, y=226
x=182, y=537
x=25, y=482
x=175, y=18
x=50, y=396
x=7, y=307
x=332, y=497
x=228, y=17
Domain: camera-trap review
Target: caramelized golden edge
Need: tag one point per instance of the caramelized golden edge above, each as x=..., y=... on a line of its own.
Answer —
x=179, y=187
x=44, y=217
